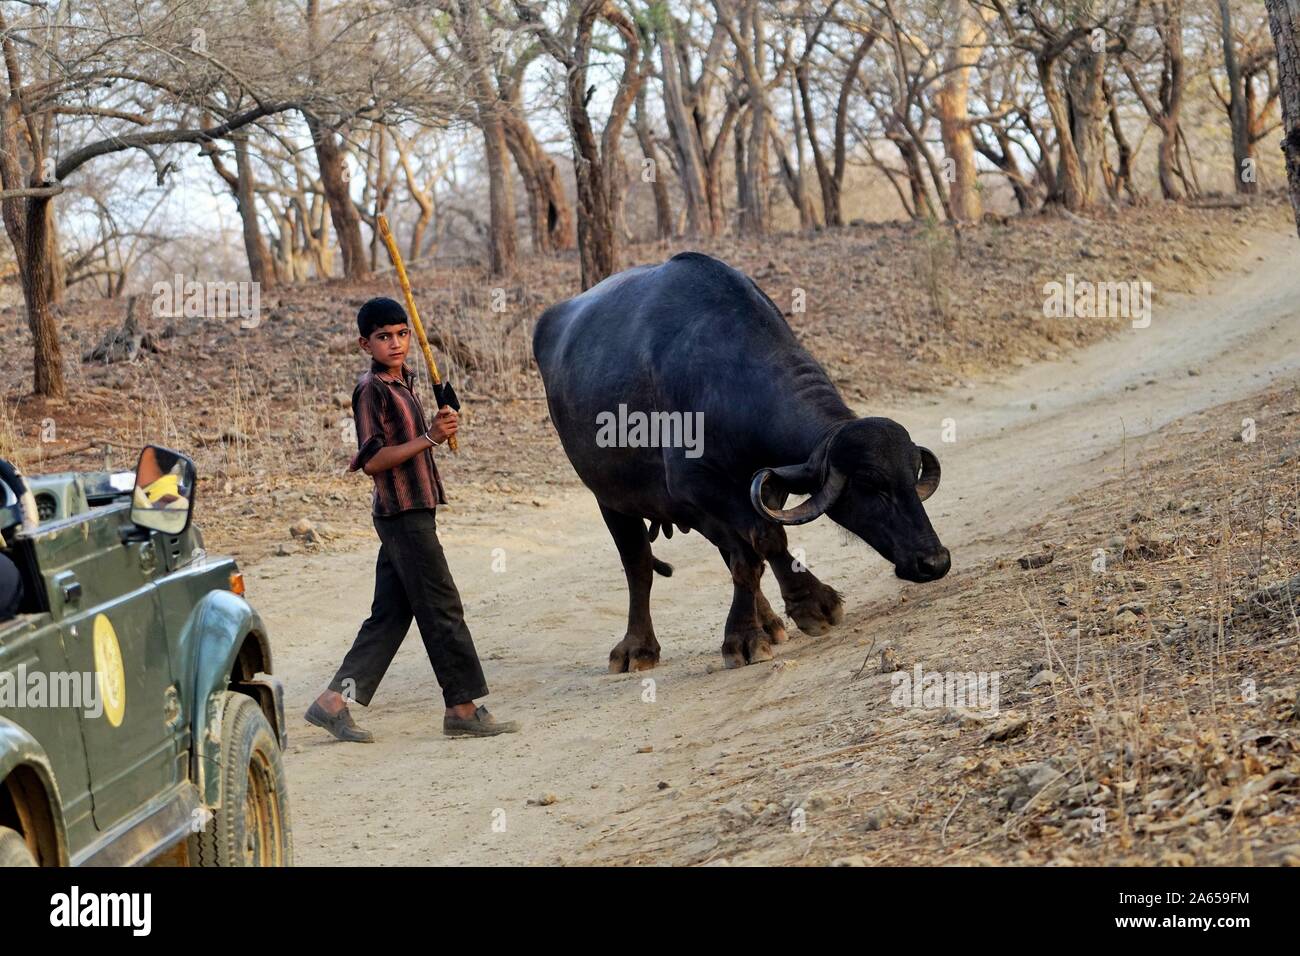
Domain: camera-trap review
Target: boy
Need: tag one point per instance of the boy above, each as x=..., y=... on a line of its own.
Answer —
x=411, y=576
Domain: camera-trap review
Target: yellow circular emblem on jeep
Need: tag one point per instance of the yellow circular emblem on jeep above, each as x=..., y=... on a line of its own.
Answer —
x=108, y=668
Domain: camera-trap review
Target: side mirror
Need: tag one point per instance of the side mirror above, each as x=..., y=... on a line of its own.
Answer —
x=163, y=499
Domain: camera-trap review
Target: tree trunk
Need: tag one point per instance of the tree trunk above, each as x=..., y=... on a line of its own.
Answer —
x=1004, y=159
x=343, y=214
x=793, y=180
x=596, y=165
x=713, y=184
x=921, y=204
x=1257, y=119
x=1087, y=115
x=559, y=211
x=831, y=179
x=794, y=173
x=259, y=257
x=825, y=181
x=526, y=165
x=743, y=199
x=663, y=205
x=748, y=40
x=329, y=160
x=1282, y=18
x=502, y=242
x=26, y=222
x=842, y=121
x=1167, y=160
x=954, y=114
x=419, y=196
x=754, y=219
x=1243, y=175
x=1166, y=108
x=1123, y=181
x=379, y=182
x=1172, y=93
x=48, y=378
x=691, y=161
x=1069, y=190
x=550, y=212
x=56, y=271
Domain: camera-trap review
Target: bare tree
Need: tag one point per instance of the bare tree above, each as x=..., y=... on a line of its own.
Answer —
x=1165, y=107
x=686, y=105
x=334, y=176
x=549, y=210
x=467, y=16
x=650, y=150
x=1250, y=93
x=1047, y=40
x=744, y=22
x=596, y=164
x=99, y=73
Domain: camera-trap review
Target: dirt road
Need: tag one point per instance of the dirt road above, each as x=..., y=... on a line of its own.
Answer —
x=545, y=598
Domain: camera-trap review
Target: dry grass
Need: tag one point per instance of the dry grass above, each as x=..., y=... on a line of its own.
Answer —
x=1173, y=720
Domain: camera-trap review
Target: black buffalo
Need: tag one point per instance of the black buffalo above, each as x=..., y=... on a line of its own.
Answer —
x=698, y=340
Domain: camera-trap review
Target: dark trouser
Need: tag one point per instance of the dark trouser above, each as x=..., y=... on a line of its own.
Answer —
x=412, y=580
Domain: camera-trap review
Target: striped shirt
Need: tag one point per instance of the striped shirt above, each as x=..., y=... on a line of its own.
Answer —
x=388, y=413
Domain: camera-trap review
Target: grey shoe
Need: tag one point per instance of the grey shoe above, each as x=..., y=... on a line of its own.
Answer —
x=341, y=725
x=482, y=724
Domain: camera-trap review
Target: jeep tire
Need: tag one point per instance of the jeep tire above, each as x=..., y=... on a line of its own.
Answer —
x=251, y=827
x=13, y=849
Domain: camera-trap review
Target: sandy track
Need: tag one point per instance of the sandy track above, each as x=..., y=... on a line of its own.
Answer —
x=545, y=599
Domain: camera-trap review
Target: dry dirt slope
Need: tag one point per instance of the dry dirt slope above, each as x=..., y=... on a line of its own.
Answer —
x=706, y=764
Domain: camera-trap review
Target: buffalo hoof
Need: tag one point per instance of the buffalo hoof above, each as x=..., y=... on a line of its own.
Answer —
x=817, y=612
x=776, y=632
x=746, y=647
x=633, y=654
x=772, y=624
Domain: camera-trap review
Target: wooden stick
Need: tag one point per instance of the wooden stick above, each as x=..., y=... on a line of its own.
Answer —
x=391, y=244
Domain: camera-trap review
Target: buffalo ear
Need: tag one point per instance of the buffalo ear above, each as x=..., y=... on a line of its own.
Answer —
x=928, y=481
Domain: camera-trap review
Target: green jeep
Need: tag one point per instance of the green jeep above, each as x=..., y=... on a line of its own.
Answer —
x=139, y=722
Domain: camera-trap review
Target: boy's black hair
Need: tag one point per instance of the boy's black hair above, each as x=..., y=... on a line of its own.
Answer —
x=377, y=313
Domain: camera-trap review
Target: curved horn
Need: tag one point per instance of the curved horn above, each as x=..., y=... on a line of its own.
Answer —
x=800, y=514
x=929, y=480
